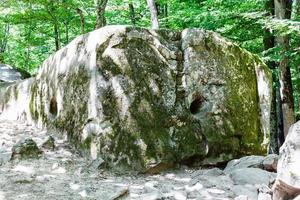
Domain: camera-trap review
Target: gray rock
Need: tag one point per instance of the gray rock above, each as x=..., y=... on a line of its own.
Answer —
x=149, y=196
x=10, y=74
x=289, y=162
x=263, y=196
x=25, y=149
x=287, y=183
x=247, y=192
x=241, y=197
x=49, y=143
x=244, y=162
x=97, y=163
x=251, y=176
x=137, y=97
x=5, y=157
x=270, y=162
x=264, y=193
x=208, y=172
x=221, y=182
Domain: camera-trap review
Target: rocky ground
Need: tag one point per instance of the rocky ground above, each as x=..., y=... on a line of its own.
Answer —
x=62, y=173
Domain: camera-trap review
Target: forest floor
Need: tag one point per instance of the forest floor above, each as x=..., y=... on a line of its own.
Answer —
x=64, y=174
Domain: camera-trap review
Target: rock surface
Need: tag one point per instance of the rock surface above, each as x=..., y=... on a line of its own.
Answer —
x=10, y=74
x=64, y=174
x=25, y=149
x=49, y=143
x=287, y=184
x=137, y=97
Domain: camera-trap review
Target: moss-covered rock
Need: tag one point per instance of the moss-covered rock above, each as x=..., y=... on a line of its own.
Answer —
x=25, y=149
x=136, y=97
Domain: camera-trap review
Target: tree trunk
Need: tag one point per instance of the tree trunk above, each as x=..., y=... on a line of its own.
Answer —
x=56, y=36
x=82, y=23
x=279, y=114
x=28, y=48
x=55, y=22
x=269, y=42
x=283, y=11
x=132, y=14
x=166, y=14
x=274, y=130
x=153, y=11
x=67, y=31
x=100, y=7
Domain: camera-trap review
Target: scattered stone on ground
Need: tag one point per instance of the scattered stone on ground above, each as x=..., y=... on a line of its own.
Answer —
x=25, y=149
x=64, y=174
x=49, y=143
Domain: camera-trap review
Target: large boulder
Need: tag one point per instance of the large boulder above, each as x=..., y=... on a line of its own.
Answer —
x=287, y=185
x=136, y=97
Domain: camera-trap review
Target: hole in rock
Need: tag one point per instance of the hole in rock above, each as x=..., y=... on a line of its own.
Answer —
x=196, y=104
x=53, y=106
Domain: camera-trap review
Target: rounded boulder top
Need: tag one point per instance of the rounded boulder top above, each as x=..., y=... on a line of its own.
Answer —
x=10, y=74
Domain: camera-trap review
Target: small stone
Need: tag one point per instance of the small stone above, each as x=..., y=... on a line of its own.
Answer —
x=96, y=164
x=208, y=172
x=245, y=192
x=45, y=178
x=270, y=162
x=193, y=188
x=83, y=194
x=74, y=186
x=49, y=143
x=121, y=194
x=263, y=196
x=5, y=157
x=151, y=196
x=241, y=197
x=59, y=170
x=25, y=149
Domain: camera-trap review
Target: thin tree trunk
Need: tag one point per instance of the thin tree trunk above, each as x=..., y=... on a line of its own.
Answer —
x=82, y=23
x=55, y=27
x=56, y=36
x=67, y=31
x=153, y=11
x=274, y=140
x=132, y=13
x=269, y=42
x=283, y=11
x=166, y=14
x=28, y=49
x=280, y=126
x=100, y=6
